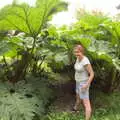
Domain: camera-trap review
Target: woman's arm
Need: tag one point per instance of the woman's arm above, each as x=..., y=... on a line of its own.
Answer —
x=91, y=73
x=89, y=69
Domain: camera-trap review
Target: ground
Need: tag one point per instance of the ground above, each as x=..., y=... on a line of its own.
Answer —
x=65, y=97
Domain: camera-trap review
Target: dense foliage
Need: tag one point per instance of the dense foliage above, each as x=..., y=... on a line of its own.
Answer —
x=24, y=101
x=30, y=21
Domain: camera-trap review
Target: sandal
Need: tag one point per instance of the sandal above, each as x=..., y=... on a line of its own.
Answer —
x=75, y=110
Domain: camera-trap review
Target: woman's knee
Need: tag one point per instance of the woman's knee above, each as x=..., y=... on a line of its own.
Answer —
x=87, y=105
x=88, y=109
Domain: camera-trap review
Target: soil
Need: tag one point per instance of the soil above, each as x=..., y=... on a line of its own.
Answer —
x=65, y=97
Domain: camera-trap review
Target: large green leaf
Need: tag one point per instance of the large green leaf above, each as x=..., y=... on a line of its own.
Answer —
x=28, y=19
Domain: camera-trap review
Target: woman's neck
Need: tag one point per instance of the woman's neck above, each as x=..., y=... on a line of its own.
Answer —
x=80, y=58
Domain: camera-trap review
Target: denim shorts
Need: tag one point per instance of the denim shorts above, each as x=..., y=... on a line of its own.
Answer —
x=83, y=93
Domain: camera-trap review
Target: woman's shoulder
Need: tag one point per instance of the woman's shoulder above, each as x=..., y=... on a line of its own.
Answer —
x=86, y=60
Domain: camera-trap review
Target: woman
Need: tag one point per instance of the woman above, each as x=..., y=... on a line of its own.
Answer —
x=83, y=75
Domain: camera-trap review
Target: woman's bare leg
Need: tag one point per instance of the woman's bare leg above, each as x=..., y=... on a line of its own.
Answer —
x=87, y=105
x=78, y=101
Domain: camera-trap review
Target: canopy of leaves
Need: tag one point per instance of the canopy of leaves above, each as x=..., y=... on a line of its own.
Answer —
x=29, y=19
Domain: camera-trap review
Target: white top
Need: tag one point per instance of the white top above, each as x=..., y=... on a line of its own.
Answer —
x=81, y=73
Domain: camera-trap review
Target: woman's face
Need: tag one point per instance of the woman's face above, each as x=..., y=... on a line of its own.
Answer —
x=77, y=52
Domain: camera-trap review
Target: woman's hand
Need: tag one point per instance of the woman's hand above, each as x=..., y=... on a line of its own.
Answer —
x=85, y=86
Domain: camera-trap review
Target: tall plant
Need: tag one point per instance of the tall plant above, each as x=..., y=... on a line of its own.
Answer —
x=30, y=20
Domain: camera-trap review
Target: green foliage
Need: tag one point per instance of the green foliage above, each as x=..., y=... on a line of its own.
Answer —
x=63, y=116
x=24, y=101
x=30, y=20
x=27, y=19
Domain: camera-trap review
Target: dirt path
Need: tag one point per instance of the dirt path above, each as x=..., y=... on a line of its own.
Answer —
x=65, y=98
x=64, y=103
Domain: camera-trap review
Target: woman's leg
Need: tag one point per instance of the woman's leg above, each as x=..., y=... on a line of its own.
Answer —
x=88, y=110
x=77, y=103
